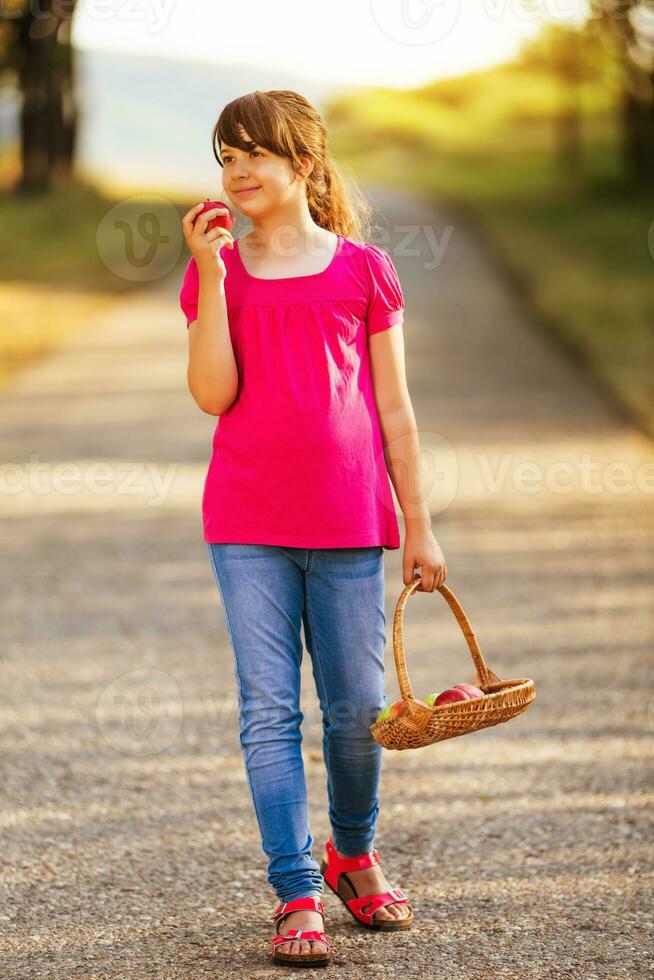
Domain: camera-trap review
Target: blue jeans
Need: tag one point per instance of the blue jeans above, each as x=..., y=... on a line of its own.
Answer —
x=267, y=592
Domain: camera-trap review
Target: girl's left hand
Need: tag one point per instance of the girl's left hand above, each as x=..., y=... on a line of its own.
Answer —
x=422, y=548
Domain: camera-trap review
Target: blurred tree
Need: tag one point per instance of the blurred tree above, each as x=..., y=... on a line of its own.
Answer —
x=37, y=54
x=576, y=56
x=631, y=22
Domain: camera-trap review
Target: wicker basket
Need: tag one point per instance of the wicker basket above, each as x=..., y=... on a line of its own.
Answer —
x=417, y=724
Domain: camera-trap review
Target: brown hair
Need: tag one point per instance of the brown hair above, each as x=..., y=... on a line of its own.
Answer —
x=285, y=123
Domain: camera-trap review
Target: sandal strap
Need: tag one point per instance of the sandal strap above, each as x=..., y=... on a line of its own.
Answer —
x=337, y=864
x=312, y=935
x=311, y=903
x=375, y=902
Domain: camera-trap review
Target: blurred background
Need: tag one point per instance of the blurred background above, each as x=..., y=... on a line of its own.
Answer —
x=508, y=151
x=540, y=127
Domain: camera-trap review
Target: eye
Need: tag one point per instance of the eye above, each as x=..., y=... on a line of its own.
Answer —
x=228, y=156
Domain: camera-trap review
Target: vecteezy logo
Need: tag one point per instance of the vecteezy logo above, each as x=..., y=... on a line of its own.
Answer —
x=140, y=713
x=415, y=22
x=140, y=239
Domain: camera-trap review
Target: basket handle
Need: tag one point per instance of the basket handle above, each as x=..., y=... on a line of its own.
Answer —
x=486, y=679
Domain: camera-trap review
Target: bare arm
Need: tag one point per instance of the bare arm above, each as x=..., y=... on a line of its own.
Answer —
x=402, y=453
x=212, y=370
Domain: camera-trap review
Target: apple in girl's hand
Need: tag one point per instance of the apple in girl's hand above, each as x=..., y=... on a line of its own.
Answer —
x=225, y=221
x=470, y=690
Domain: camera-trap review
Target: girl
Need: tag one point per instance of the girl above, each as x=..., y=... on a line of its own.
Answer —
x=295, y=342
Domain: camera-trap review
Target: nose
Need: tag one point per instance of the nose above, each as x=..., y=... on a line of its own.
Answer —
x=240, y=172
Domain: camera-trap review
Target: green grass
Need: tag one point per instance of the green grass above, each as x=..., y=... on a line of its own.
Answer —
x=584, y=264
x=575, y=248
x=63, y=261
x=67, y=237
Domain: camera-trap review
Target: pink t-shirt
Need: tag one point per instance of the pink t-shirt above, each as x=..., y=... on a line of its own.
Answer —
x=298, y=458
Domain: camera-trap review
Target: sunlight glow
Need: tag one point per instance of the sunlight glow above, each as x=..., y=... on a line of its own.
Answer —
x=394, y=43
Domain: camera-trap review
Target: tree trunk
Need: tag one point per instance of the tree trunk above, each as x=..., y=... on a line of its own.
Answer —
x=568, y=125
x=638, y=137
x=65, y=136
x=48, y=118
x=34, y=77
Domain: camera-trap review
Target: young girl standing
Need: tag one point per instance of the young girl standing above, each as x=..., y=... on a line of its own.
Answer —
x=295, y=342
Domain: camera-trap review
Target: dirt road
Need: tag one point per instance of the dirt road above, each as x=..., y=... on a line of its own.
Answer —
x=129, y=844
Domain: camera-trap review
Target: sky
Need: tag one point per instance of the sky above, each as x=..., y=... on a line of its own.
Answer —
x=394, y=43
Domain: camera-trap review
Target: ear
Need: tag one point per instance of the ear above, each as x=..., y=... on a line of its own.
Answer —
x=306, y=166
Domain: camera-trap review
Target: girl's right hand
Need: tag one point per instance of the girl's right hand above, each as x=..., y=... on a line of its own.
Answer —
x=205, y=245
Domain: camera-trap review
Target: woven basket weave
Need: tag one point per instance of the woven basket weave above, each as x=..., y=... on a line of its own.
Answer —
x=417, y=724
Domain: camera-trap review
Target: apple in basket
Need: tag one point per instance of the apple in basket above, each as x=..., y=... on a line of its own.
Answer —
x=389, y=711
x=220, y=220
x=448, y=696
x=460, y=692
x=470, y=690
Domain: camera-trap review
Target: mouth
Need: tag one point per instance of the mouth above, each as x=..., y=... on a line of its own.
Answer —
x=247, y=190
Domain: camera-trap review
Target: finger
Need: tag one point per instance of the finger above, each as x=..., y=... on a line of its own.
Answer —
x=214, y=211
x=218, y=243
x=221, y=245
x=219, y=232
x=188, y=217
x=187, y=223
x=206, y=217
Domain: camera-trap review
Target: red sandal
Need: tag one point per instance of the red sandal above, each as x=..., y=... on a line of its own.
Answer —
x=313, y=903
x=361, y=907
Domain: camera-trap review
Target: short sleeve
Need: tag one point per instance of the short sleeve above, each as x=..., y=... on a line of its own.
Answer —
x=188, y=297
x=386, y=300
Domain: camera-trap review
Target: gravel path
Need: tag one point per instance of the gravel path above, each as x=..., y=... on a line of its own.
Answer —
x=129, y=846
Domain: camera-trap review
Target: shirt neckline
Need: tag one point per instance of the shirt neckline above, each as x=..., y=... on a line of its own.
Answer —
x=311, y=275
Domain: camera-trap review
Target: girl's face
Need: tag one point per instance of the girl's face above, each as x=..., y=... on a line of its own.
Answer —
x=271, y=177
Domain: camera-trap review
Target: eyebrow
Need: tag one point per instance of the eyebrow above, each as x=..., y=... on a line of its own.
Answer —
x=231, y=147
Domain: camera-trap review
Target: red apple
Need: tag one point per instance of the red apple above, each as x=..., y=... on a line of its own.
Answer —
x=395, y=708
x=470, y=690
x=431, y=699
x=450, y=695
x=221, y=220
